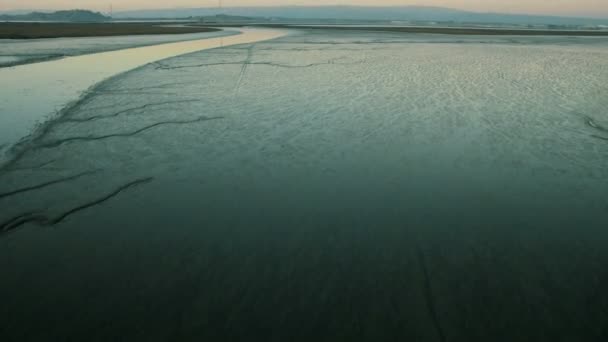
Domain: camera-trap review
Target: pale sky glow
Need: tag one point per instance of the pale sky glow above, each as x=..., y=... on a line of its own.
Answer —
x=553, y=7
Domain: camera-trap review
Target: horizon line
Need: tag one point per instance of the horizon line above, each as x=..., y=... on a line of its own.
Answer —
x=564, y=15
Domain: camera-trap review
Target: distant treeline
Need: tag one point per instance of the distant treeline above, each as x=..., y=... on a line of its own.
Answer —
x=366, y=13
x=71, y=16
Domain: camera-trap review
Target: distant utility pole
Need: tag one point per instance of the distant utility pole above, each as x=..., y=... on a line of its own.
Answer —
x=111, y=11
x=218, y=16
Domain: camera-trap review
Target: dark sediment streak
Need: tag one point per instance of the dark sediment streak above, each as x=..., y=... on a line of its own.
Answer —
x=66, y=214
x=593, y=124
x=599, y=137
x=123, y=135
x=20, y=220
x=44, y=185
x=278, y=65
x=244, y=69
x=125, y=111
x=30, y=142
x=33, y=141
x=43, y=220
x=31, y=167
x=430, y=299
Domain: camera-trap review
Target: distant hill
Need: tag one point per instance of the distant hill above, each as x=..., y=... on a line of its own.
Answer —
x=63, y=16
x=401, y=13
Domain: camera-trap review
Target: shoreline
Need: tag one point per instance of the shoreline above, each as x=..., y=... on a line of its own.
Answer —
x=474, y=31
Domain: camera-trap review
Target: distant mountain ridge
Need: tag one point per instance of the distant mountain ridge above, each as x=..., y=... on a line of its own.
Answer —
x=62, y=16
x=400, y=13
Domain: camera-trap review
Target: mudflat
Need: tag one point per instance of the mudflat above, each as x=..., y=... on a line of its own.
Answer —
x=323, y=186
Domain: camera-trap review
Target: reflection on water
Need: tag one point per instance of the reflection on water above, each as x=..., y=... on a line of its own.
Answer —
x=31, y=93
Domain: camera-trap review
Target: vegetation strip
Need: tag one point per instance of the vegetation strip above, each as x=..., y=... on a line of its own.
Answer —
x=14, y=30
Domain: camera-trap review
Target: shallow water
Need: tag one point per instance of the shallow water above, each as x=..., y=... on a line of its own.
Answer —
x=34, y=93
x=319, y=187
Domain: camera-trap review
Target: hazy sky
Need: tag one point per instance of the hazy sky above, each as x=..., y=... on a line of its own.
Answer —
x=561, y=7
